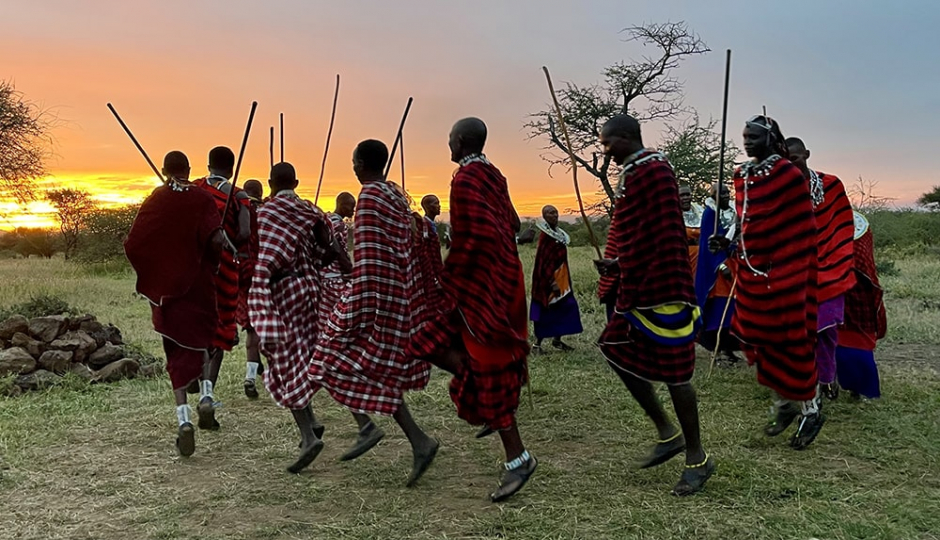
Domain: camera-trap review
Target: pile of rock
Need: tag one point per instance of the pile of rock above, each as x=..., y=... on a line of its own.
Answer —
x=38, y=352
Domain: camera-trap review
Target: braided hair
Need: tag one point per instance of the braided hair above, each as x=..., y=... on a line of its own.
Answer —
x=776, y=142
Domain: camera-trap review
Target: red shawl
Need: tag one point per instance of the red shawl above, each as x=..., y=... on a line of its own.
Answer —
x=226, y=280
x=169, y=240
x=483, y=272
x=864, y=303
x=649, y=232
x=170, y=248
x=549, y=257
x=778, y=237
x=835, y=232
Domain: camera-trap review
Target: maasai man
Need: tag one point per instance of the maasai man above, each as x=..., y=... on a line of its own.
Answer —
x=174, y=247
x=713, y=280
x=554, y=311
x=429, y=258
x=483, y=340
x=236, y=225
x=692, y=215
x=775, y=301
x=360, y=356
x=865, y=320
x=651, y=335
x=246, y=267
x=296, y=241
x=335, y=275
x=835, y=229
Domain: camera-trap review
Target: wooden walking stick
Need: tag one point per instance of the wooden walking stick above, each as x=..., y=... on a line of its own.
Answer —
x=401, y=127
x=238, y=164
x=721, y=155
x=574, y=163
x=127, y=130
x=401, y=143
x=282, y=137
x=724, y=314
x=271, y=147
x=329, y=134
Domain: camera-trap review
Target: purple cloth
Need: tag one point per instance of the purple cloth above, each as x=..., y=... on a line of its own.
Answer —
x=831, y=313
x=711, y=314
x=858, y=371
x=826, y=342
x=563, y=318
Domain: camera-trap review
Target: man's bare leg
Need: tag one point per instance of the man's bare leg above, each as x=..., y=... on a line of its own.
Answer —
x=519, y=466
x=310, y=443
x=253, y=364
x=423, y=446
x=210, y=374
x=185, y=435
x=698, y=467
x=671, y=441
x=369, y=436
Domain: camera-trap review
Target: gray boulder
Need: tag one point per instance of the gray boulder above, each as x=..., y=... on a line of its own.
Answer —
x=105, y=355
x=56, y=361
x=46, y=329
x=11, y=326
x=37, y=380
x=115, y=371
x=16, y=361
x=33, y=347
x=83, y=371
x=77, y=341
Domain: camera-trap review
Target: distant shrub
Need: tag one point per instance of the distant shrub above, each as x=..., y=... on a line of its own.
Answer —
x=906, y=230
x=103, y=234
x=39, y=306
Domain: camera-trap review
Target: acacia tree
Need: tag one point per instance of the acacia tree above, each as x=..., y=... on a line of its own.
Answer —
x=864, y=199
x=694, y=151
x=931, y=199
x=72, y=209
x=25, y=143
x=646, y=89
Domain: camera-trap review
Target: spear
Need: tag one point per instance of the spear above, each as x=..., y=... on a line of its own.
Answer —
x=137, y=144
x=721, y=155
x=401, y=143
x=271, y=146
x=282, y=137
x=329, y=134
x=401, y=127
x=238, y=164
x=574, y=164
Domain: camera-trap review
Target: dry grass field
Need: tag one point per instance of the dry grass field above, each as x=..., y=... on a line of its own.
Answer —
x=83, y=462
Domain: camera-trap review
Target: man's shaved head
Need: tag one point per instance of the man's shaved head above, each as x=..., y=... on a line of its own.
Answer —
x=684, y=188
x=798, y=154
x=254, y=189
x=620, y=137
x=345, y=204
x=467, y=137
x=795, y=143
x=431, y=205
x=283, y=176
x=685, y=197
x=176, y=165
x=221, y=158
x=550, y=215
x=370, y=158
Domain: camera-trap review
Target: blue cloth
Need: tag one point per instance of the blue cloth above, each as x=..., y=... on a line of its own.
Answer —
x=712, y=312
x=858, y=372
x=563, y=318
x=707, y=270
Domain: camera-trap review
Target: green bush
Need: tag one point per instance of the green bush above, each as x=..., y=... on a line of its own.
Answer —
x=911, y=232
x=39, y=306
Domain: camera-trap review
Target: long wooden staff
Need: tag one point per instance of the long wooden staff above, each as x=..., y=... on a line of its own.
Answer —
x=401, y=143
x=271, y=146
x=401, y=127
x=282, y=137
x=238, y=164
x=329, y=134
x=574, y=164
x=137, y=144
x=721, y=155
x=721, y=324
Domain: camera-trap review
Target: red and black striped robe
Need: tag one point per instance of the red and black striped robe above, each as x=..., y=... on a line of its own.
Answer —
x=865, y=318
x=775, y=315
x=226, y=280
x=835, y=231
x=652, y=249
x=483, y=275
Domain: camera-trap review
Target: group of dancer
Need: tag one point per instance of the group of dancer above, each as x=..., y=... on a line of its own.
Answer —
x=782, y=268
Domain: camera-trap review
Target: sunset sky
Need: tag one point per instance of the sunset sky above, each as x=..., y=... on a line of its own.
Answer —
x=858, y=81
